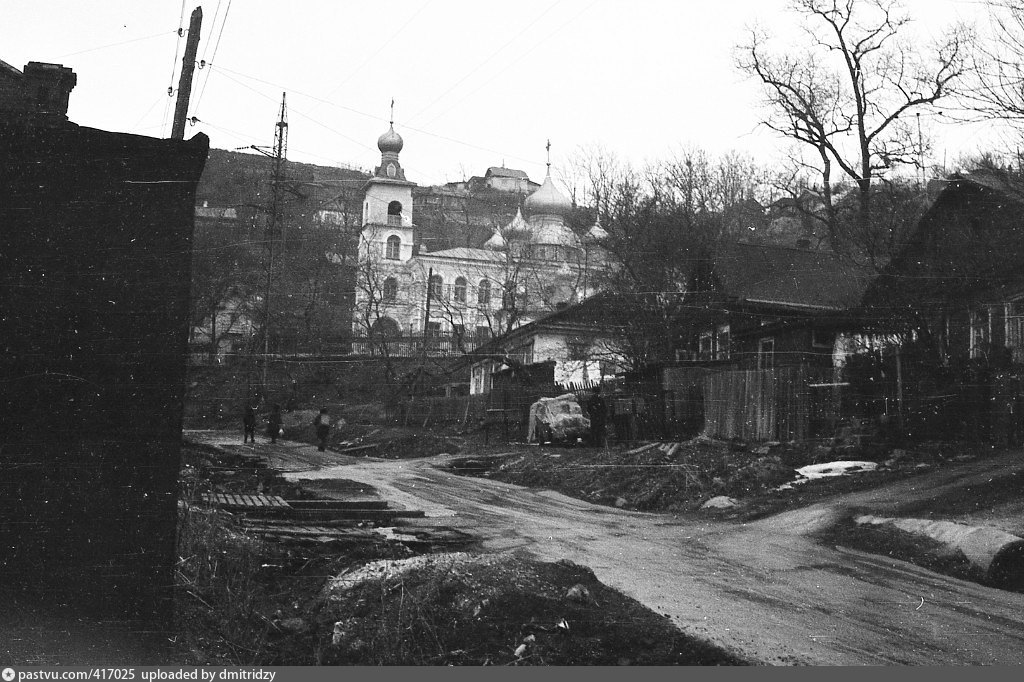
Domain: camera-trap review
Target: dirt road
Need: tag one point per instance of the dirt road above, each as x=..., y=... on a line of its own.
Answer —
x=764, y=589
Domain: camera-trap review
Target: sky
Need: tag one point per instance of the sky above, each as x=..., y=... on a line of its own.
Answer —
x=475, y=84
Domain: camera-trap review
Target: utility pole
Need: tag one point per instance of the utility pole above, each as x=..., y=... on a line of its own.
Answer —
x=188, y=65
x=273, y=226
x=426, y=319
x=920, y=150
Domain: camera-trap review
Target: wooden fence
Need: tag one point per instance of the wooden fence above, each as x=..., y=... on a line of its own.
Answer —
x=440, y=344
x=504, y=412
x=786, y=403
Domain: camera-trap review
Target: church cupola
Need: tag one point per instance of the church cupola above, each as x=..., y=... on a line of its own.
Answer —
x=390, y=145
x=387, y=205
x=547, y=201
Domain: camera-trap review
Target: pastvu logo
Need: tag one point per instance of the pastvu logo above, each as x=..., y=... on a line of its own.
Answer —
x=8, y=674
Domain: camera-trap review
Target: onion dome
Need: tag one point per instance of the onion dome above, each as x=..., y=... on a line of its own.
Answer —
x=495, y=243
x=518, y=224
x=390, y=142
x=547, y=201
x=597, y=233
x=554, y=232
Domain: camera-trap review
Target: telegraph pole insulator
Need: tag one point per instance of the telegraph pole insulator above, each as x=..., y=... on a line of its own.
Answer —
x=188, y=65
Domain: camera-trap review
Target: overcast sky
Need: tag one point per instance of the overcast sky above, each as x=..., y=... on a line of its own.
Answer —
x=475, y=83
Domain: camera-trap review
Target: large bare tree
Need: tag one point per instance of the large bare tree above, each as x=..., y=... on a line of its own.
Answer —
x=661, y=222
x=849, y=96
x=998, y=92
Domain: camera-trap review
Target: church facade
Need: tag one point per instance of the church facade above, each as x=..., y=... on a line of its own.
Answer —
x=457, y=298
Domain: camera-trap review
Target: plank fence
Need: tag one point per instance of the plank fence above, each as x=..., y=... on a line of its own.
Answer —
x=786, y=403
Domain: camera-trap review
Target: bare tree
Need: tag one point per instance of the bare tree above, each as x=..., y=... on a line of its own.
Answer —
x=847, y=97
x=224, y=281
x=662, y=221
x=999, y=65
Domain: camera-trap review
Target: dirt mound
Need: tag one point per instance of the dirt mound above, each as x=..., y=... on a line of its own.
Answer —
x=462, y=609
x=650, y=478
x=412, y=445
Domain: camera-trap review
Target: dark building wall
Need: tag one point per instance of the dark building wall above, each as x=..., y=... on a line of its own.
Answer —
x=95, y=247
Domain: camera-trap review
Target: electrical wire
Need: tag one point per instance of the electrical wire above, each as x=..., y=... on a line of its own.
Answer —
x=513, y=62
x=174, y=66
x=378, y=51
x=484, y=62
x=216, y=46
x=123, y=42
x=446, y=138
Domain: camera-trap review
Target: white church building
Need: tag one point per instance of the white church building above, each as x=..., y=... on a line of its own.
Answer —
x=457, y=298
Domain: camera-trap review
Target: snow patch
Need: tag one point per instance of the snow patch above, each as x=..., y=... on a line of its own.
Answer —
x=829, y=470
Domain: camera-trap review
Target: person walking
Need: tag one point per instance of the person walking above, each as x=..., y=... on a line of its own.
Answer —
x=323, y=429
x=274, y=423
x=598, y=411
x=249, y=424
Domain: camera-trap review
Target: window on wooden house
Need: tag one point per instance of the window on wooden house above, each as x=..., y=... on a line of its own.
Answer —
x=1015, y=329
x=723, y=342
x=706, y=346
x=981, y=333
x=821, y=338
x=766, y=353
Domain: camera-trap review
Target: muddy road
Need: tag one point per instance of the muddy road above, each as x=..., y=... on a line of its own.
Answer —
x=766, y=589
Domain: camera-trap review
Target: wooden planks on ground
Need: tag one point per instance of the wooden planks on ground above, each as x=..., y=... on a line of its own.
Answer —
x=245, y=501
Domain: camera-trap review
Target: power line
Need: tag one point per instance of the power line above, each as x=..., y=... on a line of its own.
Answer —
x=123, y=42
x=513, y=62
x=379, y=49
x=446, y=138
x=213, y=26
x=216, y=45
x=484, y=62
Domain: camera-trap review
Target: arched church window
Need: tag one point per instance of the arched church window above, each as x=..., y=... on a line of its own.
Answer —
x=483, y=293
x=394, y=248
x=395, y=213
x=460, y=289
x=390, y=289
x=437, y=287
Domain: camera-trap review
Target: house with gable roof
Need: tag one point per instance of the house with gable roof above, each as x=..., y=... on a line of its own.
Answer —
x=759, y=306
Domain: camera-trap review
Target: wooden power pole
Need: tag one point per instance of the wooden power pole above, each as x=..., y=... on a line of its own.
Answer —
x=188, y=65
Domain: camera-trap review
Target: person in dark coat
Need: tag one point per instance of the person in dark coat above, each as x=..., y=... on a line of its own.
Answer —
x=323, y=429
x=274, y=424
x=249, y=424
x=598, y=412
